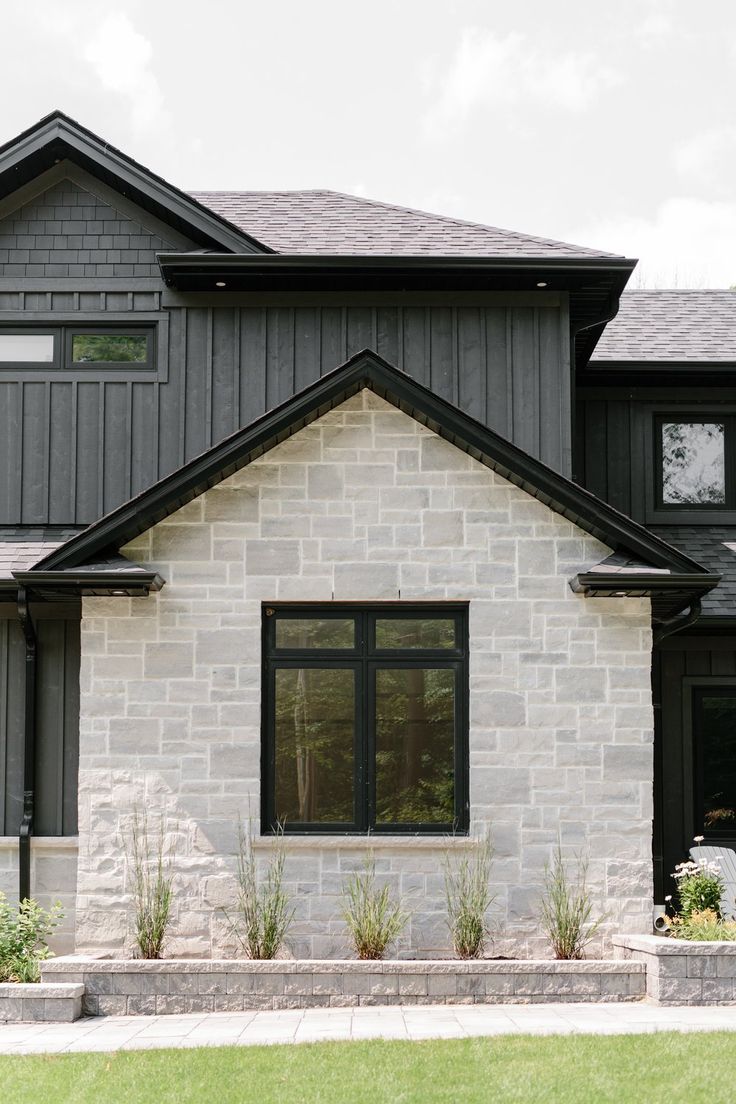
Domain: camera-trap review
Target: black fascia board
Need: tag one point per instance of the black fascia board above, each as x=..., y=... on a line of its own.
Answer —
x=643, y=584
x=57, y=137
x=79, y=581
x=367, y=370
x=203, y=271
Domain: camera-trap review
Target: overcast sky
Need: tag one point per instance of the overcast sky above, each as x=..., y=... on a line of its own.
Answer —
x=606, y=124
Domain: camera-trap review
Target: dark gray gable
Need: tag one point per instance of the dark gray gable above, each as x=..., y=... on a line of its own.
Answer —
x=68, y=230
x=57, y=138
x=367, y=370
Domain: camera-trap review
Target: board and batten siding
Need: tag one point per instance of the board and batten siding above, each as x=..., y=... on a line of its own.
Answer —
x=57, y=721
x=75, y=445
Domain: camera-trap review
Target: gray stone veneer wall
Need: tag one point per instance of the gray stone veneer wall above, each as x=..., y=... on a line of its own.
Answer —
x=366, y=503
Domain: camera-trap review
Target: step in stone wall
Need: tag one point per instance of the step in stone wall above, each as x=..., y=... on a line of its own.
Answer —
x=679, y=971
x=58, y=1001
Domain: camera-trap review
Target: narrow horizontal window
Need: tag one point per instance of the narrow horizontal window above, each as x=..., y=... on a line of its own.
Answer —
x=81, y=349
x=103, y=348
x=310, y=632
x=26, y=348
x=365, y=719
x=693, y=463
x=415, y=633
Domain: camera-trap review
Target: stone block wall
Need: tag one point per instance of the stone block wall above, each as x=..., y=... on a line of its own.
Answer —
x=365, y=503
x=123, y=988
x=679, y=971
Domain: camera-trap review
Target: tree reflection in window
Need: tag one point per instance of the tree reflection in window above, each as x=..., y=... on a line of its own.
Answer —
x=693, y=463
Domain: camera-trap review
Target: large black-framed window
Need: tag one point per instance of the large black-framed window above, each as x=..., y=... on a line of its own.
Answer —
x=714, y=759
x=365, y=719
x=695, y=462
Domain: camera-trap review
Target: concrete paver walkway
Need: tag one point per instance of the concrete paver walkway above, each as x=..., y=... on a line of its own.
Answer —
x=319, y=1024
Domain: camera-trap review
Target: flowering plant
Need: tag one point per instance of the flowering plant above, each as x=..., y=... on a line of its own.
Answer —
x=699, y=886
x=702, y=927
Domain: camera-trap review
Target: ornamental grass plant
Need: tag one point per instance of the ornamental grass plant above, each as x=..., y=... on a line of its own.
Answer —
x=469, y=897
x=23, y=935
x=151, y=872
x=263, y=912
x=567, y=907
x=373, y=918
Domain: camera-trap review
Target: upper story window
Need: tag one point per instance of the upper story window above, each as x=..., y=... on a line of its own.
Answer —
x=694, y=469
x=365, y=719
x=77, y=348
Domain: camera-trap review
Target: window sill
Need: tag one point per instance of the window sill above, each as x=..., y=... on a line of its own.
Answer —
x=47, y=843
x=367, y=843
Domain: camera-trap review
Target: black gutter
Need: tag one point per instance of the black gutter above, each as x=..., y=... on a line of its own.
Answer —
x=29, y=746
x=599, y=584
x=132, y=584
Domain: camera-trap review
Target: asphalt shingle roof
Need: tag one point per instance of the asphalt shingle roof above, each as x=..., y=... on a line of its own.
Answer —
x=708, y=544
x=23, y=546
x=676, y=326
x=333, y=223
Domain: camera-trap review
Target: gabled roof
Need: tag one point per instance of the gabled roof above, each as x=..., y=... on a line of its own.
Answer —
x=367, y=370
x=332, y=223
x=57, y=137
x=676, y=327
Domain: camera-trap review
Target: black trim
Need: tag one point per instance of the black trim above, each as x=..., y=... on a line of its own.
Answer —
x=365, y=659
x=367, y=370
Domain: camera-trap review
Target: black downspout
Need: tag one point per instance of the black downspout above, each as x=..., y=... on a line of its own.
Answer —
x=29, y=746
x=678, y=622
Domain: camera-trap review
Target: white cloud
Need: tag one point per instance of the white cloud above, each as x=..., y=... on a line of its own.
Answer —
x=686, y=242
x=708, y=160
x=492, y=70
x=121, y=58
x=654, y=28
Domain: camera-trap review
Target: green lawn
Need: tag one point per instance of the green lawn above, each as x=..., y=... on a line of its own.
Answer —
x=591, y=1070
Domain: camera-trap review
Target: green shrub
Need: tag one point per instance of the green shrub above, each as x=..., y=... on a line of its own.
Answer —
x=23, y=934
x=567, y=907
x=151, y=869
x=702, y=926
x=263, y=914
x=468, y=895
x=373, y=919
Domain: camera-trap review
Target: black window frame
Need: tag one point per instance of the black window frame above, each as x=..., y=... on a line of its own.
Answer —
x=713, y=688
x=52, y=365
x=147, y=365
x=63, y=335
x=366, y=659
x=674, y=510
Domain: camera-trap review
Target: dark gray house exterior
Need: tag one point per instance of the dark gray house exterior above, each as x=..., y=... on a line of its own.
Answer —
x=255, y=447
